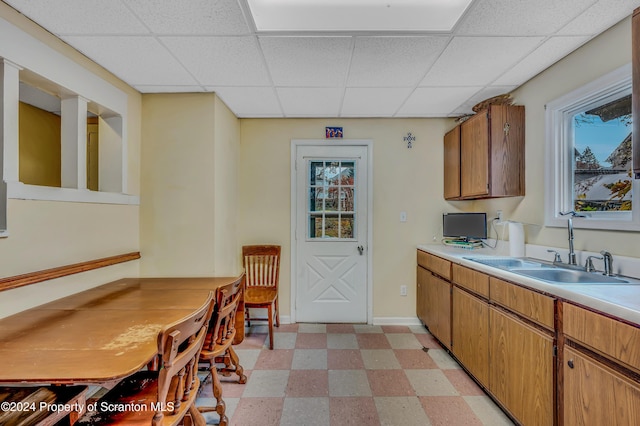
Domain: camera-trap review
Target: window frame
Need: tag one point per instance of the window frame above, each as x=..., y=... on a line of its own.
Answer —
x=559, y=155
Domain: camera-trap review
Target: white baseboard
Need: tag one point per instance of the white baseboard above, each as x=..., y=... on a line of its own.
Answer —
x=409, y=321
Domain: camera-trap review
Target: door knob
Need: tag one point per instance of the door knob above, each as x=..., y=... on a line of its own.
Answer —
x=360, y=250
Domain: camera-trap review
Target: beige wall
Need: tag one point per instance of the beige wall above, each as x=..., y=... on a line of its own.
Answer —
x=603, y=54
x=188, y=206
x=45, y=234
x=39, y=133
x=403, y=180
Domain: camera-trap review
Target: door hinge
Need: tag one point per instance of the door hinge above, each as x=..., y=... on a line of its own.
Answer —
x=555, y=351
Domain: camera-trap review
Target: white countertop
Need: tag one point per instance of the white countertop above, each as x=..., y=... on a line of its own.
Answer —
x=619, y=300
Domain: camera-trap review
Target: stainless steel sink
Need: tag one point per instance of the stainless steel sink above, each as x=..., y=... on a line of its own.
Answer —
x=567, y=276
x=507, y=263
x=546, y=271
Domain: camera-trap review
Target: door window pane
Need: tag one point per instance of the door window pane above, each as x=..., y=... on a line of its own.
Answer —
x=331, y=189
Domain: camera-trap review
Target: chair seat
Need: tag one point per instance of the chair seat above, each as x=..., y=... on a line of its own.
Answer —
x=260, y=296
x=141, y=392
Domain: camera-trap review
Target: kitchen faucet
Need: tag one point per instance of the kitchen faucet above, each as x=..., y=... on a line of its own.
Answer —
x=572, y=255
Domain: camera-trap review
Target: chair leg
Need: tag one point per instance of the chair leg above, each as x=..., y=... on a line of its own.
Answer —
x=270, y=326
x=277, y=313
x=239, y=370
x=220, y=407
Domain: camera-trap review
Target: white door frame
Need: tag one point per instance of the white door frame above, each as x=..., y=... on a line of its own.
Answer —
x=295, y=143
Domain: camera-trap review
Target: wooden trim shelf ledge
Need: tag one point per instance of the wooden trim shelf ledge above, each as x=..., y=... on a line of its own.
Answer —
x=16, y=281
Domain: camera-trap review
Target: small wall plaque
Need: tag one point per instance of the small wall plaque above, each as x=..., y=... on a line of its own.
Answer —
x=333, y=132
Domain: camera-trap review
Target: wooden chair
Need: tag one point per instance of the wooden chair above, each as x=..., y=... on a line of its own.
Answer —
x=218, y=344
x=262, y=268
x=167, y=396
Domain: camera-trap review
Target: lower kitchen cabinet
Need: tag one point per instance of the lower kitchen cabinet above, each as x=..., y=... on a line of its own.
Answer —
x=470, y=334
x=438, y=307
x=522, y=364
x=595, y=394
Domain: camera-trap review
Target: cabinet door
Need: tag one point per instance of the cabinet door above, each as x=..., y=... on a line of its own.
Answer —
x=597, y=395
x=470, y=333
x=452, y=164
x=438, y=308
x=521, y=369
x=474, y=156
x=421, y=295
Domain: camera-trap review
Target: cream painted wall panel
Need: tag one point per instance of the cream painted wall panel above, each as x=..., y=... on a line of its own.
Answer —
x=403, y=179
x=603, y=54
x=177, y=208
x=227, y=169
x=46, y=234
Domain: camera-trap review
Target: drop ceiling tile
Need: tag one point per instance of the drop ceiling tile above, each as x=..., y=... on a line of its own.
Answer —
x=136, y=60
x=540, y=59
x=599, y=17
x=250, y=101
x=509, y=17
x=435, y=101
x=373, y=102
x=477, y=61
x=201, y=17
x=307, y=61
x=220, y=61
x=393, y=61
x=145, y=88
x=73, y=17
x=310, y=102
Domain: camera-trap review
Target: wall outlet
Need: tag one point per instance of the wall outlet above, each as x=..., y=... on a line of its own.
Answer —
x=403, y=290
x=499, y=215
x=403, y=216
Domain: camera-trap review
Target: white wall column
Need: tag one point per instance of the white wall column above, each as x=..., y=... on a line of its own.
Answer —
x=9, y=104
x=74, y=143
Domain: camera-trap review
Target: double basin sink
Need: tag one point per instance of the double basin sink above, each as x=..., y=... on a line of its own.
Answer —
x=547, y=272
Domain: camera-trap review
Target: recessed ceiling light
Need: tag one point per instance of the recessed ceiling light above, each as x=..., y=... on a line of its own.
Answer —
x=357, y=15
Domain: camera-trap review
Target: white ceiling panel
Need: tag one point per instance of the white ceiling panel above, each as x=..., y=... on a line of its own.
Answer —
x=81, y=16
x=307, y=61
x=509, y=17
x=136, y=60
x=435, y=101
x=477, y=61
x=310, y=102
x=385, y=70
x=393, y=61
x=378, y=102
x=544, y=56
x=167, y=89
x=250, y=101
x=601, y=16
x=220, y=61
x=201, y=17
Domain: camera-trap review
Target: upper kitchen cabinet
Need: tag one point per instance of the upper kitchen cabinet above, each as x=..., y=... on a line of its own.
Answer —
x=484, y=156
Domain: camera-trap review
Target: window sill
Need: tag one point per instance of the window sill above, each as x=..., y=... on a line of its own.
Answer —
x=595, y=223
x=21, y=191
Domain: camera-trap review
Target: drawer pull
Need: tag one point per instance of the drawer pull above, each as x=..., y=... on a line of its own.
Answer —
x=570, y=363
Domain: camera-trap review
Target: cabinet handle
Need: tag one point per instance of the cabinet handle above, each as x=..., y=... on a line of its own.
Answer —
x=570, y=363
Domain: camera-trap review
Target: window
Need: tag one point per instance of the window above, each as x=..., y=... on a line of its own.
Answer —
x=589, y=155
x=331, y=199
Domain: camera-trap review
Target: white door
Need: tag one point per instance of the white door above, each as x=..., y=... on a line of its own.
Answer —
x=331, y=234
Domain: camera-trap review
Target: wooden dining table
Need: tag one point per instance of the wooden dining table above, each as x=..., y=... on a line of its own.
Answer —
x=98, y=336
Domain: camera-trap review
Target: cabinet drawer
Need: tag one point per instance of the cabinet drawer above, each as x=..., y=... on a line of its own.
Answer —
x=618, y=340
x=435, y=264
x=534, y=306
x=474, y=281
